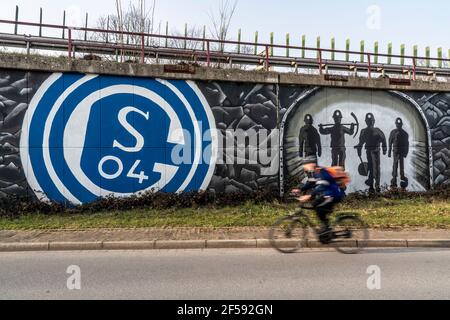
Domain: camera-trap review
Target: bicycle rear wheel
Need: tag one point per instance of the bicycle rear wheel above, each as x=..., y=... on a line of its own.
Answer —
x=351, y=234
x=289, y=234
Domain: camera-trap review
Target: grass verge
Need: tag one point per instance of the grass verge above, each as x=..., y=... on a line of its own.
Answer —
x=378, y=213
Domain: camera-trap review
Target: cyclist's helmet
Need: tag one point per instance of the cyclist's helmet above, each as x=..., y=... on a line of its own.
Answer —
x=342, y=178
x=309, y=166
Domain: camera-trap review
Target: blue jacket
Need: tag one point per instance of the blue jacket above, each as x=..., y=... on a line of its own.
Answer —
x=323, y=184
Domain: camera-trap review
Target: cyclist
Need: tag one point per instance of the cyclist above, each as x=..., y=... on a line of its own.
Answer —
x=327, y=186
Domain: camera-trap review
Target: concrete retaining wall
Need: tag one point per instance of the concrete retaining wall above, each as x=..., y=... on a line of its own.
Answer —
x=76, y=131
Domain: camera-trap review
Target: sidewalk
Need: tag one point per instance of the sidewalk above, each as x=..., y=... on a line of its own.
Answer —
x=195, y=238
x=166, y=234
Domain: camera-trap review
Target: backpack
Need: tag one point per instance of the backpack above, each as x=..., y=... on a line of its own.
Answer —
x=341, y=177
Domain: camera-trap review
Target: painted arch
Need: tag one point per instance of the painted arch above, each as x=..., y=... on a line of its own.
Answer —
x=386, y=106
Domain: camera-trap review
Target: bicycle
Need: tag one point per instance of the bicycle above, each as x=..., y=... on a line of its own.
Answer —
x=348, y=234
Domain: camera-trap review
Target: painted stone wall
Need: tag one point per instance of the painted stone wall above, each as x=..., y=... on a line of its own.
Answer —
x=73, y=138
x=16, y=90
x=436, y=107
x=245, y=110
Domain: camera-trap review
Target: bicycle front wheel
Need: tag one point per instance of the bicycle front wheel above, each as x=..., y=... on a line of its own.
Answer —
x=289, y=234
x=350, y=233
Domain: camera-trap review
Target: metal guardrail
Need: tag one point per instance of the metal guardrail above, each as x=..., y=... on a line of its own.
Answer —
x=264, y=60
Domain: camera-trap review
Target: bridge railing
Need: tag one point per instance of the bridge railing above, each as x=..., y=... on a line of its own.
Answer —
x=213, y=51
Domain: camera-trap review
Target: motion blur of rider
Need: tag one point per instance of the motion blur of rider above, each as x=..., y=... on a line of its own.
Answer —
x=325, y=187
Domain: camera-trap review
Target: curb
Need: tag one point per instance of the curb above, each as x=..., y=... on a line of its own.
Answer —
x=75, y=246
x=231, y=244
x=207, y=244
x=390, y=243
x=437, y=243
x=128, y=245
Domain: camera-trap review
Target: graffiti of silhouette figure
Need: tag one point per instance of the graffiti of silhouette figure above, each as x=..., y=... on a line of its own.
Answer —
x=399, y=148
x=337, y=132
x=372, y=137
x=309, y=139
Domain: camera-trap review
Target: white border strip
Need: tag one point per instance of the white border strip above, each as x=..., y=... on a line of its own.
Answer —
x=214, y=138
x=46, y=143
x=197, y=133
x=25, y=135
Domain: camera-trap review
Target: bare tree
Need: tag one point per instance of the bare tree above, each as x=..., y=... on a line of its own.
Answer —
x=137, y=18
x=188, y=45
x=221, y=21
x=192, y=32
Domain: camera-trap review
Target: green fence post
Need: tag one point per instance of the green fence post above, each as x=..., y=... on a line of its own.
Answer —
x=204, y=37
x=362, y=49
x=440, y=57
x=256, y=43
x=389, y=59
x=185, y=35
x=40, y=22
x=347, y=48
x=167, y=34
x=17, y=19
x=428, y=54
x=376, y=50
x=107, y=28
x=64, y=24
x=333, y=47
x=447, y=64
x=239, y=41
x=402, y=54
x=287, y=44
x=415, y=54
x=271, y=44
x=86, y=25
x=318, y=46
x=303, y=46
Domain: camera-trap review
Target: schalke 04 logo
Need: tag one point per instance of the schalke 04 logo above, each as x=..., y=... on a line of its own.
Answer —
x=90, y=136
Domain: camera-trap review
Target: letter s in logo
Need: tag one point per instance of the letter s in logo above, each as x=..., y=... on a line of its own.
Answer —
x=123, y=121
x=86, y=137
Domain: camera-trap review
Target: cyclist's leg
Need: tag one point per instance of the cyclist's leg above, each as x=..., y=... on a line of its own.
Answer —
x=322, y=214
x=325, y=233
x=323, y=210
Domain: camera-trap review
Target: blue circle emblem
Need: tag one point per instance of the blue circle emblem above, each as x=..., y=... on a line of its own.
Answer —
x=91, y=136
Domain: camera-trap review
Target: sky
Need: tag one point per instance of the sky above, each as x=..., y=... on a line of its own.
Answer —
x=422, y=23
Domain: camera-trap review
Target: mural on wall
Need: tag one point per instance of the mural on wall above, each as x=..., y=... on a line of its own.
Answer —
x=245, y=110
x=399, y=150
x=74, y=138
x=16, y=90
x=87, y=136
x=91, y=136
x=379, y=137
x=436, y=107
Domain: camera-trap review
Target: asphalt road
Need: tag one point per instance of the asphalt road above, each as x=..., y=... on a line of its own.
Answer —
x=226, y=274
